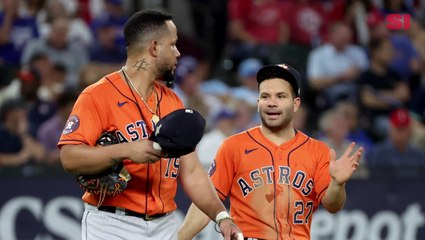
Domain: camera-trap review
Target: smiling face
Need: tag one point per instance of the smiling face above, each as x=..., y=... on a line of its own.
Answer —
x=276, y=104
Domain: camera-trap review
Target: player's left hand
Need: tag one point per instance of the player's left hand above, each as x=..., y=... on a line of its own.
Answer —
x=342, y=169
x=230, y=231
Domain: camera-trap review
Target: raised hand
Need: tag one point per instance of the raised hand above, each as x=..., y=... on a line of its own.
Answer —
x=342, y=169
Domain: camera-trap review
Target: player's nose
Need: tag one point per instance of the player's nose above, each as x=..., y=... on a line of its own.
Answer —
x=177, y=54
x=272, y=102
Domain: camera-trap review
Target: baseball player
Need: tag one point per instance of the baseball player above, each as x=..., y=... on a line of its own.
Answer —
x=274, y=175
x=129, y=102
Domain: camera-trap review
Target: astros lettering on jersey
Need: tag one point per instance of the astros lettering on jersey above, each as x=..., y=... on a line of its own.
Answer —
x=112, y=106
x=272, y=188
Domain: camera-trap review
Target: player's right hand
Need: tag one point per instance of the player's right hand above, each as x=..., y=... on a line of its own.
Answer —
x=142, y=151
x=230, y=231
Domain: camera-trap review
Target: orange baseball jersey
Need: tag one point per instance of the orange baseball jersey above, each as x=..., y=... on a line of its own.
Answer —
x=273, y=190
x=111, y=105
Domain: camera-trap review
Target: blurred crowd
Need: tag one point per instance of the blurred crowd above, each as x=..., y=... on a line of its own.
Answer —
x=363, y=70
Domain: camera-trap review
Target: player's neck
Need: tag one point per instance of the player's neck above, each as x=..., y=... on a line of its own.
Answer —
x=139, y=79
x=278, y=136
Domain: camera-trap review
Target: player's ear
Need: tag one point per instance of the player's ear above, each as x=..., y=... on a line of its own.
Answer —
x=297, y=103
x=153, y=48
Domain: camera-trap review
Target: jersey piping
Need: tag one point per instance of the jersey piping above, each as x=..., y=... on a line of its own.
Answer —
x=274, y=184
x=289, y=196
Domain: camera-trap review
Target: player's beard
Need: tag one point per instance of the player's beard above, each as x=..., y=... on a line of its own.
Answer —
x=167, y=74
x=282, y=122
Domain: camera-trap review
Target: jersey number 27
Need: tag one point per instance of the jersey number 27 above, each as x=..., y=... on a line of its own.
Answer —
x=300, y=210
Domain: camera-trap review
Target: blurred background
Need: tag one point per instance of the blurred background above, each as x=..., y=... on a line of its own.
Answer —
x=363, y=71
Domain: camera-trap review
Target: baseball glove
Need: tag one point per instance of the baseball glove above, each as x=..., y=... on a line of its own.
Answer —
x=110, y=182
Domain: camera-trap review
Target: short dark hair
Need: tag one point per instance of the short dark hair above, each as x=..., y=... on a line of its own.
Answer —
x=142, y=24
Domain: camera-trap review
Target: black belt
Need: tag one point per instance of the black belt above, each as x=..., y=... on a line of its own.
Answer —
x=127, y=212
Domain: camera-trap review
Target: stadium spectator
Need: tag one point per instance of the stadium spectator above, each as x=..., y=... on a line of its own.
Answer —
x=333, y=68
x=52, y=86
x=247, y=116
x=17, y=146
x=246, y=77
x=38, y=110
x=357, y=14
x=106, y=54
x=113, y=12
x=334, y=131
x=50, y=131
x=79, y=31
x=417, y=34
x=380, y=88
x=108, y=49
x=357, y=132
x=396, y=156
x=187, y=85
x=52, y=78
x=39, y=63
x=378, y=29
x=16, y=31
x=224, y=126
x=255, y=27
x=409, y=53
x=59, y=49
x=27, y=87
x=406, y=62
x=307, y=22
x=218, y=89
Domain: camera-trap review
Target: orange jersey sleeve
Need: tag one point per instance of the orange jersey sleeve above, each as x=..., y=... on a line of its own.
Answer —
x=79, y=128
x=321, y=177
x=111, y=105
x=223, y=178
x=273, y=190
